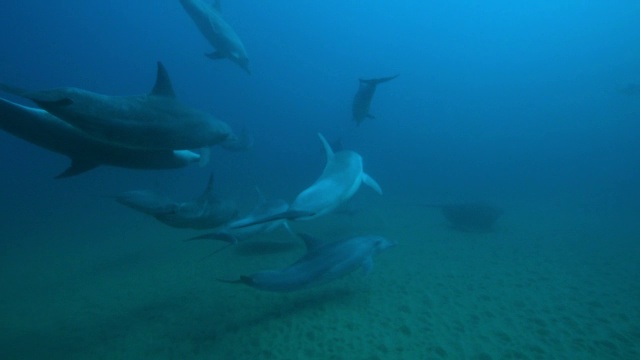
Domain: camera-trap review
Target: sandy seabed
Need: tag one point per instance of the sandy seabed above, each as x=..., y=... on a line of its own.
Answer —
x=550, y=283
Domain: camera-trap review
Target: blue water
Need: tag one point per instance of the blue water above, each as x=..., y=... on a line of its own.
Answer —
x=520, y=105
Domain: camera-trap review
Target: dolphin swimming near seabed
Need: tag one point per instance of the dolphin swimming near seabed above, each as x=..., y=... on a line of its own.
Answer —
x=362, y=99
x=204, y=212
x=341, y=178
x=217, y=31
x=156, y=121
x=49, y=132
x=322, y=263
x=234, y=233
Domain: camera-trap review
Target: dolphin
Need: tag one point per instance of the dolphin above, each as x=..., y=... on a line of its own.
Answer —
x=204, y=212
x=233, y=232
x=218, y=32
x=341, y=178
x=156, y=121
x=322, y=263
x=362, y=99
x=241, y=143
x=49, y=132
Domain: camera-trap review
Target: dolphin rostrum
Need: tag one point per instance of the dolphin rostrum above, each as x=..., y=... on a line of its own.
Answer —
x=217, y=31
x=341, y=178
x=155, y=121
x=49, y=132
x=322, y=263
x=362, y=99
x=204, y=212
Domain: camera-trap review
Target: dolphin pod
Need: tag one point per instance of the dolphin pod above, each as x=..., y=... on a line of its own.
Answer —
x=322, y=263
x=218, y=32
x=49, y=132
x=155, y=121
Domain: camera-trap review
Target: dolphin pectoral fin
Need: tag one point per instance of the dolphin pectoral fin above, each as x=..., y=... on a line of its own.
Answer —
x=369, y=181
x=216, y=55
x=367, y=265
x=78, y=166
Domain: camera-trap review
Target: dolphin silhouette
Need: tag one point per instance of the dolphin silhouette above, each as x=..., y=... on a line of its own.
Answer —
x=362, y=99
x=156, y=121
x=204, y=212
x=49, y=132
x=322, y=263
x=218, y=32
x=341, y=178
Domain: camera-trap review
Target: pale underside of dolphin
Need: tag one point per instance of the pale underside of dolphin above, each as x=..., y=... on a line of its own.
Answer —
x=341, y=178
x=322, y=263
x=218, y=32
x=155, y=121
x=49, y=132
x=364, y=95
x=204, y=212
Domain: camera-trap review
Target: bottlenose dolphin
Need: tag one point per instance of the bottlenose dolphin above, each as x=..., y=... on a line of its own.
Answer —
x=234, y=143
x=322, y=263
x=156, y=121
x=49, y=132
x=204, y=212
x=218, y=32
x=341, y=178
x=362, y=99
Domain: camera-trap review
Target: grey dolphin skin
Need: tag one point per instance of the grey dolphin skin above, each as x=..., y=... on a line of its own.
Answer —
x=49, y=132
x=217, y=31
x=233, y=233
x=362, y=99
x=156, y=121
x=204, y=212
x=322, y=263
x=341, y=178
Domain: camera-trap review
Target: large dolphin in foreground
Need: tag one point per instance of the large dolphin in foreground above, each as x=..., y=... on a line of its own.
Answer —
x=204, y=212
x=155, y=121
x=322, y=263
x=49, y=132
x=218, y=32
x=362, y=99
x=341, y=178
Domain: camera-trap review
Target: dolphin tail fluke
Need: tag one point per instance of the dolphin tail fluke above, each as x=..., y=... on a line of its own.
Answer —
x=379, y=80
x=288, y=215
x=77, y=167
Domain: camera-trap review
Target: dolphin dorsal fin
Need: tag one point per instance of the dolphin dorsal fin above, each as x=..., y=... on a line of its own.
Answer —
x=163, y=85
x=312, y=242
x=327, y=147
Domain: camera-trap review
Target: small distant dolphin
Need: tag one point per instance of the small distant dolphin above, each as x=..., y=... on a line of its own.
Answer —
x=205, y=212
x=362, y=99
x=218, y=32
x=157, y=121
x=233, y=232
x=323, y=262
x=49, y=132
x=341, y=178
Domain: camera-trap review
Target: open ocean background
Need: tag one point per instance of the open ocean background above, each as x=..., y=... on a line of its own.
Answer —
x=517, y=104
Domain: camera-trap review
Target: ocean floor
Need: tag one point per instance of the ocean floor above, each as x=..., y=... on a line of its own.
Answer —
x=553, y=282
